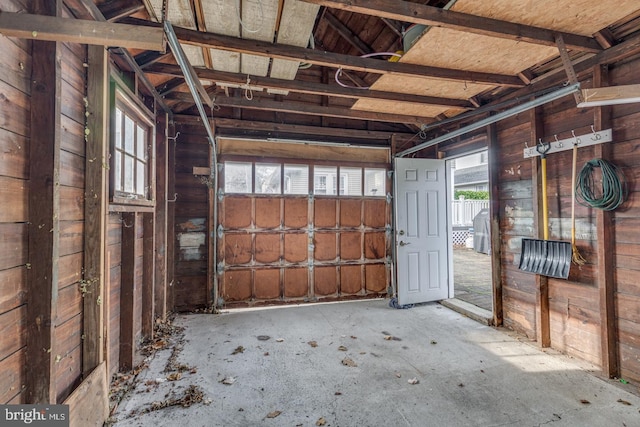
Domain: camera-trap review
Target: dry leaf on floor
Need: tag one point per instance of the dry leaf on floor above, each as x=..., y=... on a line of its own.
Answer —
x=434, y=342
x=342, y=348
x=585, y=402
x=624, y=402
x=239, y=349
x=273, y=414
x=398, y=375
x=413, y=381
x=353, y=337
x=313, y=344
x=388, y=337
x=321, y=421
x=228, y=380
x=264, y=337
x=266, y=353
x=279, y=339
x=349, y=362
x=337, y=393
x=174, y=376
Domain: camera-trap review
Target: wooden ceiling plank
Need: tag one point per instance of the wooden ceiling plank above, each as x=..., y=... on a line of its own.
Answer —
x=118, y=9
x=437, y=17
x=39, y=27
x=337, y=60
x=347, y=34
x=306, y=109
x=310, y=88
x=150, y=57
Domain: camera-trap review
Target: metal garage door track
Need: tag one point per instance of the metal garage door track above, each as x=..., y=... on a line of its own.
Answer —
x=364, y=364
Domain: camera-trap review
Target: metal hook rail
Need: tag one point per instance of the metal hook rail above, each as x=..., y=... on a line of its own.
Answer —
x=568, y=143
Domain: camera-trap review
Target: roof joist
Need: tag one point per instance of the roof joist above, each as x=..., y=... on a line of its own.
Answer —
x=310, y=88
x=437, y=17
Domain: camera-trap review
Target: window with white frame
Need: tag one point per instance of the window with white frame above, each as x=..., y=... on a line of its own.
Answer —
x=132, y=152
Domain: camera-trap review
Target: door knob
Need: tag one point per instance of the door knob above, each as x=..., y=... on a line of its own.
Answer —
x=401, y=232
x=404, y=243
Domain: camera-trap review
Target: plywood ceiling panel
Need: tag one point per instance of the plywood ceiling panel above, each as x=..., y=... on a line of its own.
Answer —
x=441, y=47
x=584, y=17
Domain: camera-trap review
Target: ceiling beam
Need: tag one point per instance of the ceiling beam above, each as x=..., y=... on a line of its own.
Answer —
x=40, y=27
x=149, y=57
x=246, y=127
x=305, y=109
x=437, y=17
x=170, y=85
x=310, y=88
x=334, y=60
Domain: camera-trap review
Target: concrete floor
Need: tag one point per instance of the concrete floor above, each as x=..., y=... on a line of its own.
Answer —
x=472, y=277
x=469, y=374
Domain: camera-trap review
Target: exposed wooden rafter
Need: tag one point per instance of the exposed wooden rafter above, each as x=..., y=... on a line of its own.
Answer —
x=149, y=57
x=117, y=9
x=305, y=109
x=308, y=87
x=334, y=60
x=437, y=17
x=347, y=34
x=38, y=27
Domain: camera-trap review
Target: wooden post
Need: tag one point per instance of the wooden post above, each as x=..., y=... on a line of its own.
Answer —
x=543, y=329
x=95, y=207
x=606, y=247
x=494, y=212
x=212, y=277
x=171, y=220
x=44, y=227
x=127, y=288
x=148, y=270
x=160, y=276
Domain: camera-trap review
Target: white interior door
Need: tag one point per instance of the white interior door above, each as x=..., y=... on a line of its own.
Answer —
x=421, y=230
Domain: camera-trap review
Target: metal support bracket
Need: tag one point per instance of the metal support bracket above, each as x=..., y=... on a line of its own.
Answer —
x=568, y=66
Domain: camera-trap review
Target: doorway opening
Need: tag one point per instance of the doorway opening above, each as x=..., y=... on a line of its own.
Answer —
x=470, y=240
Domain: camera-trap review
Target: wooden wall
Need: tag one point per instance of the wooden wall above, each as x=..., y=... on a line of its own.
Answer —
x=15, y=88
x=191, y=219
x=576, y=317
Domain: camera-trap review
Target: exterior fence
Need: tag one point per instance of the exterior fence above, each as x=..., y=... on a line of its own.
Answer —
x=463, y=211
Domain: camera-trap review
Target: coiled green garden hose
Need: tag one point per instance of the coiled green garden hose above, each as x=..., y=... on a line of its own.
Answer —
x=610, y=195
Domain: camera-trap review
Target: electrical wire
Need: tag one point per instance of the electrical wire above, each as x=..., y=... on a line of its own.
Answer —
x=612, y=192
x=368, y=55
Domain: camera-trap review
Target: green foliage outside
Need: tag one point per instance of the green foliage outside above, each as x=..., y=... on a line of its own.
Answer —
x=471, y=195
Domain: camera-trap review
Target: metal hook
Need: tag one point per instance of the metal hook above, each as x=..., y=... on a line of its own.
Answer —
x=175, y=197
x=558, y=143
x=542, y=148
x=577, y=141
x=596, y=136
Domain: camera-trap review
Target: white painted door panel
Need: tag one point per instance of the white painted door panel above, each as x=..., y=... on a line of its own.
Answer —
x=421, y=230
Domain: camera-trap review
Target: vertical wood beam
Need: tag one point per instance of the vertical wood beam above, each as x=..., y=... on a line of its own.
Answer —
x=494, y=212
x=148, y=270
x=160, y=277
x=95, y=207
x=127, y=288
x=44, y=200
x=543, y=329
x=212, y=277
x=171, y=220
x=606, y=247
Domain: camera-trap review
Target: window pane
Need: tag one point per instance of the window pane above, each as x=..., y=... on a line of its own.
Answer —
x=118, y=141
x=374, y=182
x=351, y=181
x=237, y=177
x=128, y=174
x=117, y=171
x=140, y=174
x=267, y=178
x=324, y=180
x=296, y=179
x=141, y=141
x=129, y=127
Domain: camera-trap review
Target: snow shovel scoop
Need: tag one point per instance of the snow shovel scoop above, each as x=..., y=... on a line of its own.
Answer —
x=545, y=257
